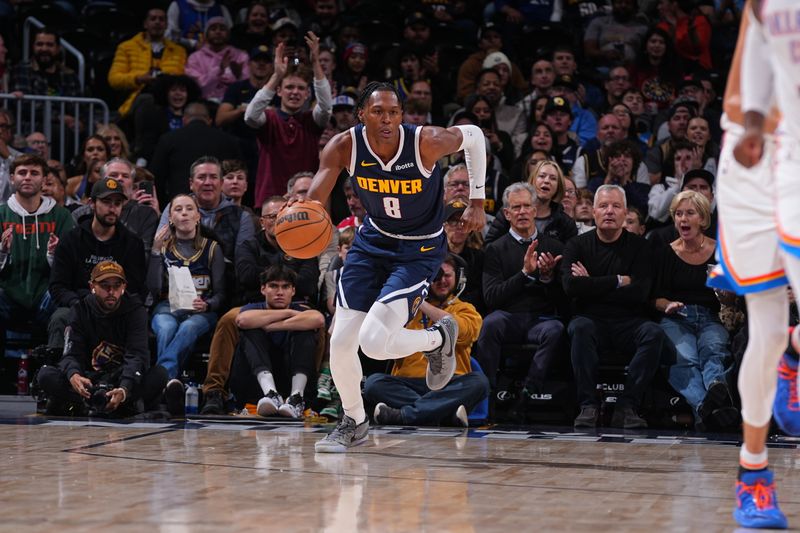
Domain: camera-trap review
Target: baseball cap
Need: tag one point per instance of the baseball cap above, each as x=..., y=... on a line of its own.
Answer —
x=343, y=101
x=278, y=18
x=261, y=50
x=565, y=80
x=106, y=187
x=698, y=173
x=690, y=81
x=557, y=103
x=106, y=270
x=417, y=17
x=454, y=207
x=496, y=58
x=489, y=26
x=682, y=103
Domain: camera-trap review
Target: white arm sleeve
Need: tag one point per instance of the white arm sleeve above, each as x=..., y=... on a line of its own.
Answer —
x=579, y=173
x=254, y=114
x=474, y=145
x=756, y=72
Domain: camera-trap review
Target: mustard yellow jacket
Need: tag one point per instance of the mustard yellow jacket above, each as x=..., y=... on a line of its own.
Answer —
x=133, y=58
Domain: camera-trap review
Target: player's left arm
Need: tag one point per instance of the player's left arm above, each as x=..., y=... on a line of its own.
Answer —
x=757, y=89
x=436, y=143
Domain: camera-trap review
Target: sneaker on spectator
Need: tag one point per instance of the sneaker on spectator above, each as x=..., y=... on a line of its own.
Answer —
x=460, y=417
x=587, y=418
x=333, y=410
x=346, y=435
x=294, y=407
x=174, y=396
x=214, y=403
x=269, y=404
x=384, y=414
x=625, y=417
x=757, y=502
x=324, y=383
x=442, y=360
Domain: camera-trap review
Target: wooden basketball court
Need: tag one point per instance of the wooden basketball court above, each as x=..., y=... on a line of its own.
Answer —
x=242, y=474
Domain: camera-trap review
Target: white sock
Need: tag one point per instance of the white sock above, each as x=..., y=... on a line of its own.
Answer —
x=299, y=383
x=752, y=461
x=266, y=381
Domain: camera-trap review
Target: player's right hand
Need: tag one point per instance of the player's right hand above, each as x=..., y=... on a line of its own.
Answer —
x=749, y=149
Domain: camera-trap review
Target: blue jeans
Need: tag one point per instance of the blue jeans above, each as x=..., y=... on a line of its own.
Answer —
x=702, y=351
x=176, y=334
x=421, y=406
x=39, y=312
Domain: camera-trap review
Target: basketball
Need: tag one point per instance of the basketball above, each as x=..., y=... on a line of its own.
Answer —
x=303, y=230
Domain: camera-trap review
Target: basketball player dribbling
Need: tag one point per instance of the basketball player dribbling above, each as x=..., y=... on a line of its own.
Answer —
x=397, y=250
x=759, y=206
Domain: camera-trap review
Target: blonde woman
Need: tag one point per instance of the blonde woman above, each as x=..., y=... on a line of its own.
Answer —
x=691, y=314
x=551, y=220
x=116, y=140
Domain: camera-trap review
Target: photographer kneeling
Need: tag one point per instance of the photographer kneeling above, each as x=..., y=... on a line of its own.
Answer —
x=106, y=361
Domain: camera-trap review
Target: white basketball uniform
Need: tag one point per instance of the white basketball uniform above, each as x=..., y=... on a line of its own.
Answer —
x=748, y=198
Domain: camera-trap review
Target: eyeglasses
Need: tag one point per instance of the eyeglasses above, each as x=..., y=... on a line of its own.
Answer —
x=569, y=192
x=38, y=143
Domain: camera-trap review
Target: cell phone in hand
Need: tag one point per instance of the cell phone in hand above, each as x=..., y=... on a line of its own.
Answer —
x=146, y=186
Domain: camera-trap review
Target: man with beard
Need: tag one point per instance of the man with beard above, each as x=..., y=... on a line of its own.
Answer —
x=403, y=397
x=99, y=238
x=31, y=227
x=45, y=74
x=106, y=362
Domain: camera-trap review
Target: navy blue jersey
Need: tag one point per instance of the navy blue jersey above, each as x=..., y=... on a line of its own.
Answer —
x=199, y=264
x=401, y=198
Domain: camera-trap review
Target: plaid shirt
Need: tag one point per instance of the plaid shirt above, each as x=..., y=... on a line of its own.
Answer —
x=27, y=79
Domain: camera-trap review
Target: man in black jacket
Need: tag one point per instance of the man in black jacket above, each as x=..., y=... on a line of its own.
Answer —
x=177, y=150
x=99, y=238
x=252, y=258
x=106, y=361
x=608, y=274
x=521, y=288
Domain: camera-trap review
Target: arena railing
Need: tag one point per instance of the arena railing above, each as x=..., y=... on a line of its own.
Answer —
x=43, y=113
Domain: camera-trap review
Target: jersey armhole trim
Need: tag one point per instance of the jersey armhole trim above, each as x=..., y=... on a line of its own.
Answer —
x=351, y=169
x=424, y=171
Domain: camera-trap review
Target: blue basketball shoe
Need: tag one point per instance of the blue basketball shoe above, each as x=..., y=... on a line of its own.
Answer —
x=757, y=503
x=786, y=408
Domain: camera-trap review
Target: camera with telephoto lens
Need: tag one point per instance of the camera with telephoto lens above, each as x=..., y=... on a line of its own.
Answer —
x=98, y=401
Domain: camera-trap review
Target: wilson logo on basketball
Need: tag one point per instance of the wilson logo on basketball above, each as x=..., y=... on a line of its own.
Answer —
x=292, y=217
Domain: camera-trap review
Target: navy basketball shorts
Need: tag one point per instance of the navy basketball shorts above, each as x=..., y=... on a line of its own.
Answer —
x=383, y=269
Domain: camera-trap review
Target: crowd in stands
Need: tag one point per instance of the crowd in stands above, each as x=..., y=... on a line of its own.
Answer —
x=602, y=129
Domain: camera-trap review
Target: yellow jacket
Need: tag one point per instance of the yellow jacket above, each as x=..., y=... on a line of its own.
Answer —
x=134, y=57
x=469, y=325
